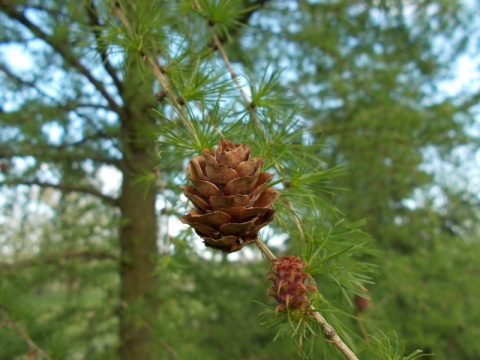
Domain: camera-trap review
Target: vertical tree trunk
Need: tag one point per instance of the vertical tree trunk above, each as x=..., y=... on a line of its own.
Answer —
x=138, y=232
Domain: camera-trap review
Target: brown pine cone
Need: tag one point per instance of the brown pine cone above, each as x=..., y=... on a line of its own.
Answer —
x=230, y=197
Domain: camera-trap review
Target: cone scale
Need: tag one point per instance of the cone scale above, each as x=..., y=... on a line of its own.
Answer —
x=230, y=196
x=291, y=285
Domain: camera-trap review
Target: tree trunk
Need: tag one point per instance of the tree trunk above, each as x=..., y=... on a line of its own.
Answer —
x=138, y=229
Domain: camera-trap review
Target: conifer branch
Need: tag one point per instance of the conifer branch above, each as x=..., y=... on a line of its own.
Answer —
x=95, y=22
x=245, y=17
x=67, y=56
x=159, y=75
x=248, y=105
x=86, y=140
x=57, y=153
x=67, y=106
x=55, y=258
x=60, y=105
x=332, y=335
x=261, y=245
x=218, y=44
x=24, y=82
x=328, y=330
x=66, y=187
x=34, y=348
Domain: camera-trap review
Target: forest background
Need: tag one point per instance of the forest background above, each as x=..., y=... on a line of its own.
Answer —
x=365, y=111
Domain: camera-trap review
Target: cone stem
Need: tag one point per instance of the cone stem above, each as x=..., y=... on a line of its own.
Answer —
x=265, y=250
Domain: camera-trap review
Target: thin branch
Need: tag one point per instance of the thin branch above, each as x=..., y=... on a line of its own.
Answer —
x=94, y=21
x=332, y=335
x=62, y=106
x=265, y=250
x=364, y=331
x=56, y=153
x=69, y=57
x=58, y=104
x=231, y=70
x=23, y=82
x=67, y=188
x=162, y=186
x=98, y=128
x=56, y=258
x=84, y=140
x=34, y=348
x=164, y=82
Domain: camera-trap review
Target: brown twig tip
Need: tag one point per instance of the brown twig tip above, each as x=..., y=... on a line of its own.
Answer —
x=160, y=96
x=180, y=100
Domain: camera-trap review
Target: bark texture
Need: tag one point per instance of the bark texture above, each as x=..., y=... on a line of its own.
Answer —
x=138, y=230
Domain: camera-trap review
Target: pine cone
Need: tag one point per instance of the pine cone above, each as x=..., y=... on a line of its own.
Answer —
x=291, y=286
x=230, y=197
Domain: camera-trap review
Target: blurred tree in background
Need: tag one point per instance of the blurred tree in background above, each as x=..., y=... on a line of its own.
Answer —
x=91, y=269
x=374, y=82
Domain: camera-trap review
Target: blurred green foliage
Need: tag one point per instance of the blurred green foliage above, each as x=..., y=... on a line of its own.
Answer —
x=345, y=96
